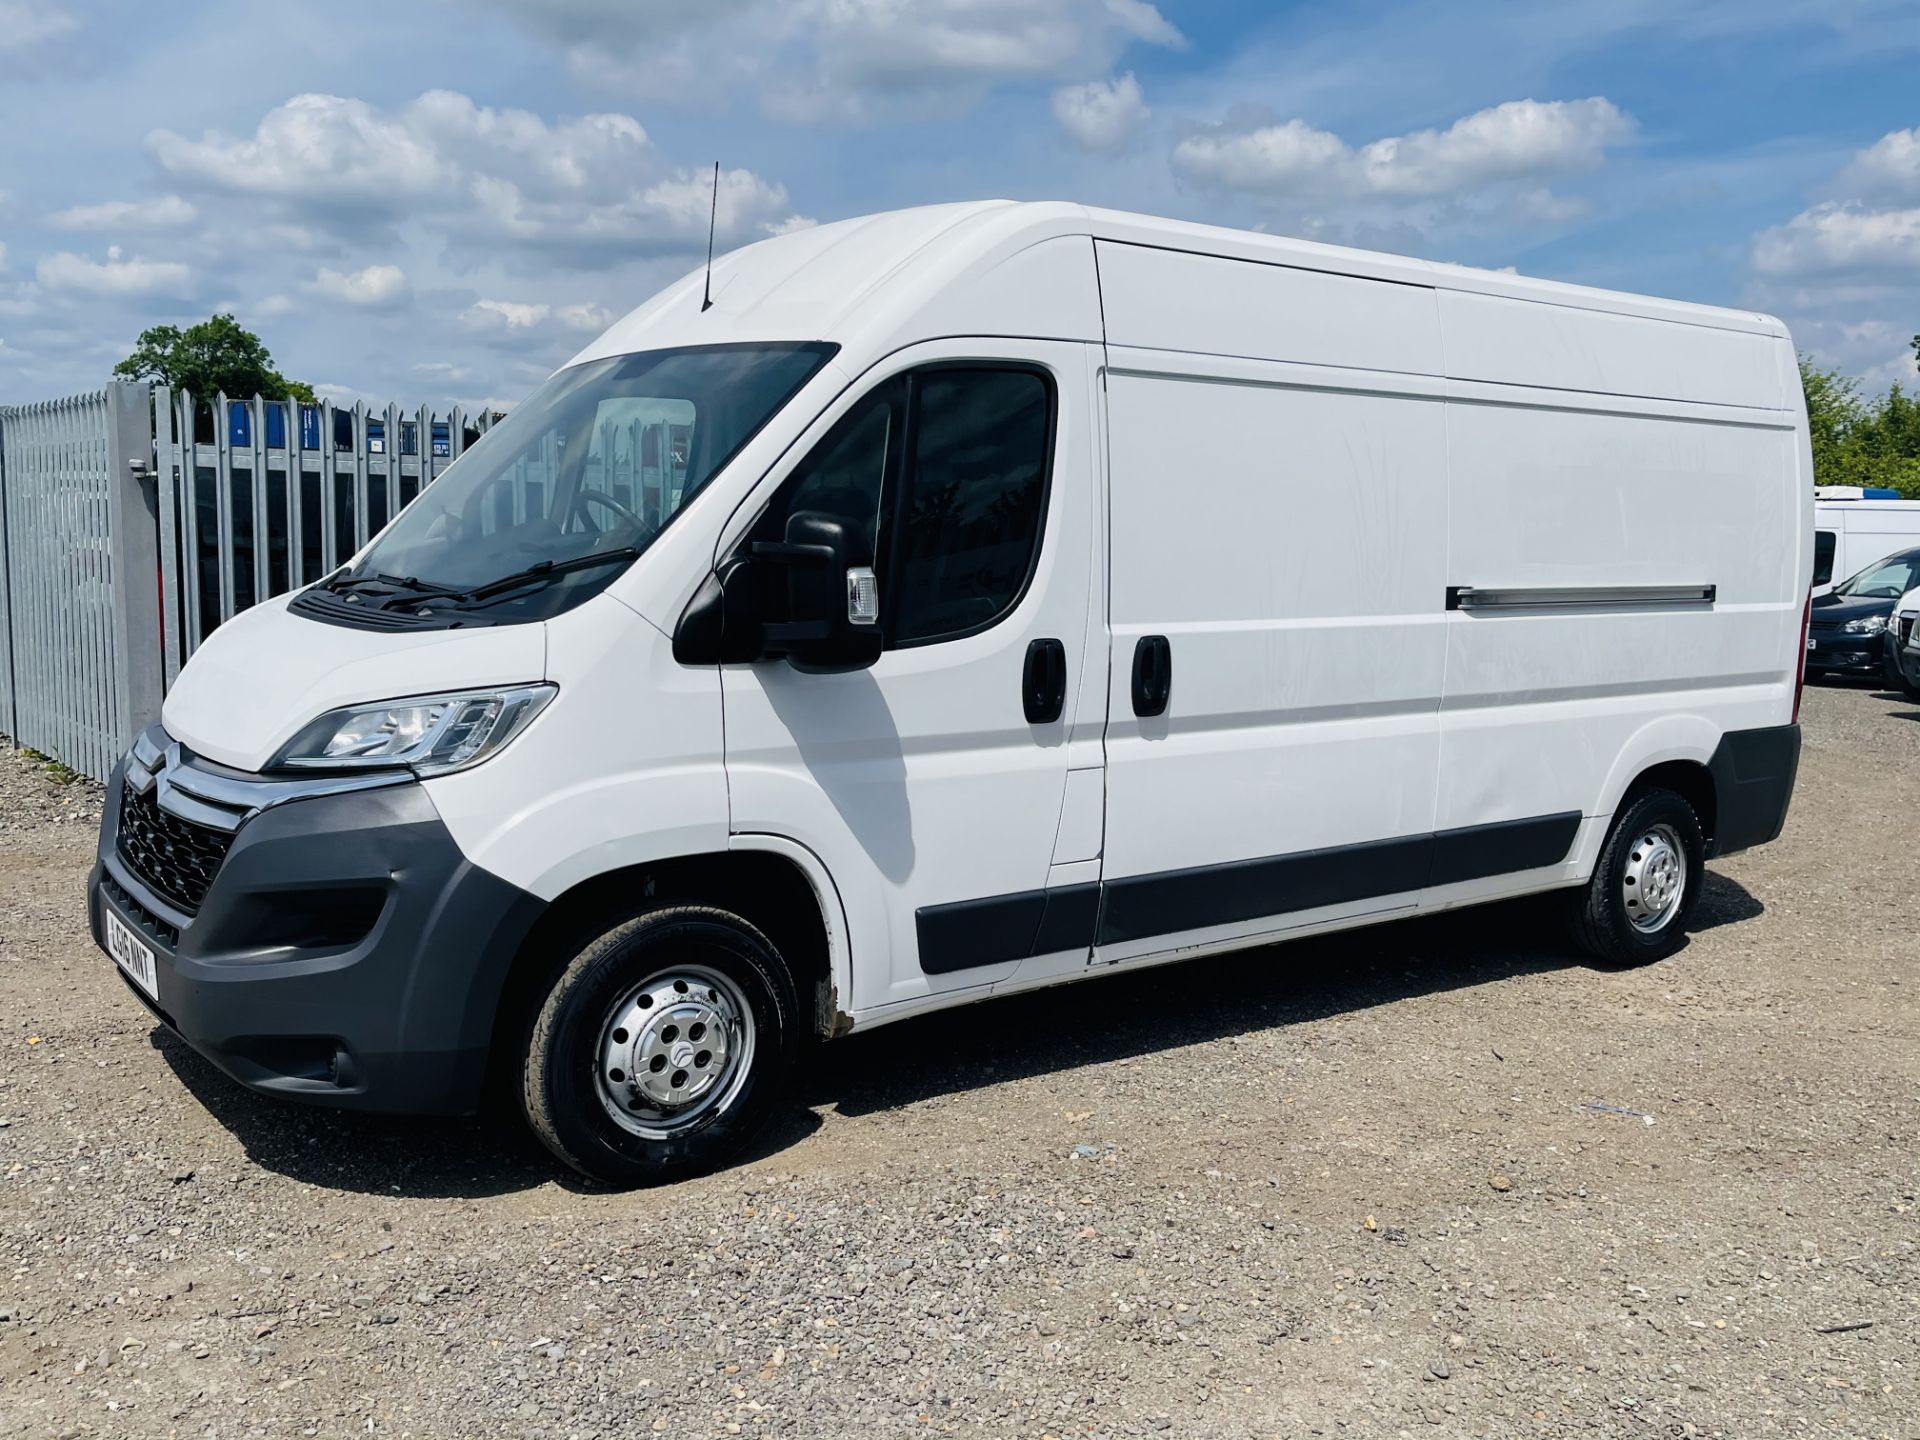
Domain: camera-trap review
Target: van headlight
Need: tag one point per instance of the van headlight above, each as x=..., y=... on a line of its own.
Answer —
x=429, y=734
x=1871, y=625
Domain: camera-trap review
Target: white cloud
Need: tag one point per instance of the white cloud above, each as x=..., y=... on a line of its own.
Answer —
x=593, y=186
x=166, y=213
x=3, y=255
x=314, y=147
x=505, y=314
x=271, y=306
x=588, y=317
x=1869, y=225
x=1840, y=236
x=346, y=395
x=26, y=23
x=879, y=39
x=1101, y=116
x=113, y=276
x=1845, y=271
x=1543, y=207
x=1887, y=169
x=839, y=60
x=1144, y=22
x=499, y=316
x=375, y=285
x=1520, y=140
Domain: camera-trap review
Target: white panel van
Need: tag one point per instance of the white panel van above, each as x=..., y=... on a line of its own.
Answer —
x=971, y=599
x=1852, y=532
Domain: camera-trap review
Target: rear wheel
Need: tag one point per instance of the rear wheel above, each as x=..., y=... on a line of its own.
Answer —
x=1633, y=909
x=658, y=1052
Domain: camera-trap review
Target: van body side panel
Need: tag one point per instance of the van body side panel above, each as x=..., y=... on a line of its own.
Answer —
x=1509, y=341
x=1558, y=707
x=1274, y=523
x=1202, y=304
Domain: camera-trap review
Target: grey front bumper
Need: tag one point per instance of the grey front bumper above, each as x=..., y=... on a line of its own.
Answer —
x=346, y=953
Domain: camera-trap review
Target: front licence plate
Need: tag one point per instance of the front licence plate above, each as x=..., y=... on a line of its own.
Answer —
x=131, y=953
x=1812, y=644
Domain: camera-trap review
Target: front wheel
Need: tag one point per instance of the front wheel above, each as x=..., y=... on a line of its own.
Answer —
x=1633, y=909
x=659, y=1051
x=1905, y=683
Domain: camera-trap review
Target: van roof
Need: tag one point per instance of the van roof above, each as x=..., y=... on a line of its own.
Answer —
x=811, y=283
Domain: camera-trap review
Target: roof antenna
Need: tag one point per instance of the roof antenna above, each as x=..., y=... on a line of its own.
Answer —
x=713, y=216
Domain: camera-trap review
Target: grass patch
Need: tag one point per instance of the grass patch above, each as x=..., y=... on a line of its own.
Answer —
x=58, y=771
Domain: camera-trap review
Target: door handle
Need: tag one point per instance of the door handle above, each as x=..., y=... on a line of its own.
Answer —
x=1043, y=686
x=1152, y=675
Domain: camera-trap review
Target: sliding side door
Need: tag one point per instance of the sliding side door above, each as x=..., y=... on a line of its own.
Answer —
x=1278, y=525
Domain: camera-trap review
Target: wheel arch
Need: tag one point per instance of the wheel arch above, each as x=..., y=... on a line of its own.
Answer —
x=775, y=885
x=1674, y=753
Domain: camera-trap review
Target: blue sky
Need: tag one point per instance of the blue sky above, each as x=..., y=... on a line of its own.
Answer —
x=436, y=200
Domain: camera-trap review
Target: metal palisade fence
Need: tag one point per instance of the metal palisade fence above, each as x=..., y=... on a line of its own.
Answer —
x=134, y=520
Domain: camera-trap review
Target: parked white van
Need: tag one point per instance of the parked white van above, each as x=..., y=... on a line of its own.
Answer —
x=971, y=599
x=1853, y=531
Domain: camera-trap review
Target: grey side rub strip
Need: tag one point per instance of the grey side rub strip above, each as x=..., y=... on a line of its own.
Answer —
x=969, y=934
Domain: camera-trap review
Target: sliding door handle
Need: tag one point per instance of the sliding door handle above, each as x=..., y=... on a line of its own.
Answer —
x=1152, y=675
x=1043, y=685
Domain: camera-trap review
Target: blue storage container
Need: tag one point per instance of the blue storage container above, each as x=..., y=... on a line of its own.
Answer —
x=240, y=424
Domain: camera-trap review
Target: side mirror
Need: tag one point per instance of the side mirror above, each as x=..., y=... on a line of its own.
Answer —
x=833, y=596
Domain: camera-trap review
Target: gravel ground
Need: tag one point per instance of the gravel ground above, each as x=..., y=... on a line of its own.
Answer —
x=1436, y=1179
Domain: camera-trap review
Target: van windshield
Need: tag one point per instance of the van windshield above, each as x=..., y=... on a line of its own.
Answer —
x=555, y=500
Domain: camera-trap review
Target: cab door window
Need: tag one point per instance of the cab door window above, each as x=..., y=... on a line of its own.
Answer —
x=975, y=496
x=943, y=474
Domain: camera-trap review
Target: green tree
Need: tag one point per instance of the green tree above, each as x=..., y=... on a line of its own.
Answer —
x=1888, y=442
x=1862, y=441
x=1834, y=410
x=217, y=356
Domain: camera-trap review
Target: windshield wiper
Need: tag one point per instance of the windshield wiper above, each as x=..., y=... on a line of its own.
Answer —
x=407, y=583
x=541, y=571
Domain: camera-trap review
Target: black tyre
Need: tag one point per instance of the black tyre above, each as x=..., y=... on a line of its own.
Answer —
x=659, y=1051
x=1634, y=908
x=1905, y=686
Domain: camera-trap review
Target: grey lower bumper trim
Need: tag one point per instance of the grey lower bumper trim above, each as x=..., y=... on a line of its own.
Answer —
x=346, y=952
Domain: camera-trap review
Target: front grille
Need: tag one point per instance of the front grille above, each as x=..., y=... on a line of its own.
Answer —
x=176, y=857
x=142, y=918
x=1822, y=627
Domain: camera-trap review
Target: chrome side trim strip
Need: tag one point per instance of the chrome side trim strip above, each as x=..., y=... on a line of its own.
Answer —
x=1588, y=597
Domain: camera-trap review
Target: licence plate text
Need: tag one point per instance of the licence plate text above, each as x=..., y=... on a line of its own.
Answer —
x=131, y=954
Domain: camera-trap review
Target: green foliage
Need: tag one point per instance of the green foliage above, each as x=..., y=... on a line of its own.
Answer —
x=217, y=356
x=1860, y=441
x=55, y=770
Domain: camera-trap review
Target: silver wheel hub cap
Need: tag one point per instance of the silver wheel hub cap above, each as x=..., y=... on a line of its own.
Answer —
x=1655, y=879
x=674, y=1051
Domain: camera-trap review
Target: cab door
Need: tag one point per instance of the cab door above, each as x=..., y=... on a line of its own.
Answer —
x=932, y=784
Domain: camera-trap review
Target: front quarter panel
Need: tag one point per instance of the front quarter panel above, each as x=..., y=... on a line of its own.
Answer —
x=624, y=767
